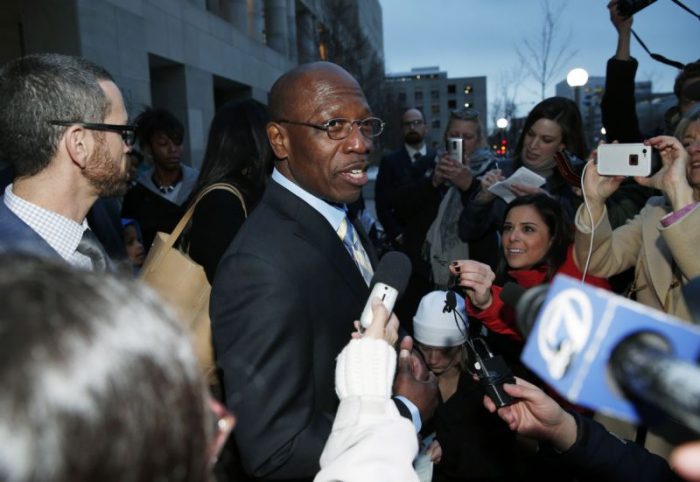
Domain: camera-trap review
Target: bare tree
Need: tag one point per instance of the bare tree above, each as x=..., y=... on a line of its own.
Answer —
x=505, y=104
x=544, y=57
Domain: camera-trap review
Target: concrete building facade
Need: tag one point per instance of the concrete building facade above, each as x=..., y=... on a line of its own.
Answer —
x=435, y=94
x=189, y=56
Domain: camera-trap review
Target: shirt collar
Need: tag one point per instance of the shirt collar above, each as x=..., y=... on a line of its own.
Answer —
x=412, y=151
x=61, y=233
x=333, y=214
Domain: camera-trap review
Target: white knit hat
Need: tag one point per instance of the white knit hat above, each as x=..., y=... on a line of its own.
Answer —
x=433, y=325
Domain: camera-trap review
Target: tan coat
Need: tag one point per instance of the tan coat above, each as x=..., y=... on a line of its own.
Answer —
x=663, y=258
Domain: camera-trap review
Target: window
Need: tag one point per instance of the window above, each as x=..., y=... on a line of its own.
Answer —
x=402, y=96
x=451, y=104
x=467, y=105
x=435, y=94
x=468, y=89
x=418, y=96
x=451, y=89
x=435, y=109
x=436, y=124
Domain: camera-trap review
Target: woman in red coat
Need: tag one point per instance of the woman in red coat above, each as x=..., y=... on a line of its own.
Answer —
x=537, y=244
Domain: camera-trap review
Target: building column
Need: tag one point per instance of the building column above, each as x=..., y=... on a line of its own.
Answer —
x=239, y=15
x=276, y=25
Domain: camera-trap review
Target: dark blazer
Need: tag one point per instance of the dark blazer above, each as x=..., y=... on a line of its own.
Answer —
x=397, y=170
x=283, y=301
x=16, y=235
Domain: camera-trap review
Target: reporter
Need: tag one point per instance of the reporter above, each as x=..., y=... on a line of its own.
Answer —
x=537, y=244
x=578, y=441
x=660, y=242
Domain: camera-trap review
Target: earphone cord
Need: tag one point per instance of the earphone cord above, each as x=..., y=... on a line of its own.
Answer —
x=590, y=217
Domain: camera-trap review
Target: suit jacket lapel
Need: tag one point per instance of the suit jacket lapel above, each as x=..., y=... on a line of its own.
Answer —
x=313, y=228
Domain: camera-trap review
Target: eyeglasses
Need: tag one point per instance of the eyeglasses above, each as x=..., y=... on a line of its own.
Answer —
x=338, y=129
x=413, y=123
x=224, y=425
x=464, y=114
x=126, y=131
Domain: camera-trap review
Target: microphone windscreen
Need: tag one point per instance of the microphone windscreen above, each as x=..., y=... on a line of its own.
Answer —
x=511, y=294
x=394, y=269
x=451, y=300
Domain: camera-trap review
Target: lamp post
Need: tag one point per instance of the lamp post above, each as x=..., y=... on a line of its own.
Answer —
x=576, y=79
x=502, y=124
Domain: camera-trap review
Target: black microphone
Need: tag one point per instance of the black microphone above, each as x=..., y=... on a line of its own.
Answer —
x=525, y=302
x=388, y=283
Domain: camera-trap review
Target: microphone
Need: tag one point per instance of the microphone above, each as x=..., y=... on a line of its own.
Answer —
x=388, y=283
x=611, y=354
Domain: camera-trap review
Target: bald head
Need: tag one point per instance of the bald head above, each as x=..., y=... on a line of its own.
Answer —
x=296, y=86
x=413, y=127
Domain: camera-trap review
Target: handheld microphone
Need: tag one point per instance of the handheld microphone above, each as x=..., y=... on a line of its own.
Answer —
x=492, y=370
x=388, y=283
x=612, y=354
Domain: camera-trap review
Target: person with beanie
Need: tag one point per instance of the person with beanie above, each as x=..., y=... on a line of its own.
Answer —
x=470, y=443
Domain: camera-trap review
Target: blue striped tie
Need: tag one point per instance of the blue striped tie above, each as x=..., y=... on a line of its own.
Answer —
x=351, y=240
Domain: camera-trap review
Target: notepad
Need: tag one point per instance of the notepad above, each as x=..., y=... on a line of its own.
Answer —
x=522, y=176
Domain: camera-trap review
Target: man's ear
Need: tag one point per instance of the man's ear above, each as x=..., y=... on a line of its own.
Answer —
x=78, y=145
x=278, y=140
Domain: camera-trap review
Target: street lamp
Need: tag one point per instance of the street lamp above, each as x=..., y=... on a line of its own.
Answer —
x=502, y=123
x=576, y=79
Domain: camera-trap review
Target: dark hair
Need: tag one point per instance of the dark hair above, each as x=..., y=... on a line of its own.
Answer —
x=690, y=71
x=238, y=150
x=560, y=232
x=99, y=382
x=40, y=88
x=153, y=120
x=565, y=113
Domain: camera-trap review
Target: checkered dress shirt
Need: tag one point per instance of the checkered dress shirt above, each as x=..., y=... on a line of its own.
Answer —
x=62, y=234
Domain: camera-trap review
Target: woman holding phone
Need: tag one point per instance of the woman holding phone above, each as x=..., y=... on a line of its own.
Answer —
x=466, y=158
x=661, y=241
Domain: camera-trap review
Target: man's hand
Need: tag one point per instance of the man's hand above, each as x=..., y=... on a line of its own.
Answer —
x=415, y=382
x=536, y=415
x=477, y=278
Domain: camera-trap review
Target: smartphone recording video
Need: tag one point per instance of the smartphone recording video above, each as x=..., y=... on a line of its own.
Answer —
x=454, y=148
x=624, y=160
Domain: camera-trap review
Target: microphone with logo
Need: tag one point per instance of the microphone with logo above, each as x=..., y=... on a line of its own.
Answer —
x=611, y=354
x=388, y=283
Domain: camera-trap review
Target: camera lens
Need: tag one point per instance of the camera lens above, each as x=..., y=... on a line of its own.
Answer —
x=644, y=151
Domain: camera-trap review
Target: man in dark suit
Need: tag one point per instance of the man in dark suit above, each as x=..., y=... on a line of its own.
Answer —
x=407, y=195
x=65, y=154
x=288, y=288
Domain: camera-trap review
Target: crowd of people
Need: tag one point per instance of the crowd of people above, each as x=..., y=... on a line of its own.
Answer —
x=102, y=381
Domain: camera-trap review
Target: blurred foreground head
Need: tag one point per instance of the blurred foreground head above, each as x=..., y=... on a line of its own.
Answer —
x=98, y=382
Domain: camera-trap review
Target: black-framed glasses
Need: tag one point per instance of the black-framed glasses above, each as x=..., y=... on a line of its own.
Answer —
x=126, y=131
x=464, y=114
x=339, y=128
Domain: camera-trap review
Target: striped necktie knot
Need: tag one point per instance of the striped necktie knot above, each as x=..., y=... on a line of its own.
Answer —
x=351, y=240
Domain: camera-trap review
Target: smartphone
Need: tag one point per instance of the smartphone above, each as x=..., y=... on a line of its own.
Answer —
x=624, y=160
x=454, y=148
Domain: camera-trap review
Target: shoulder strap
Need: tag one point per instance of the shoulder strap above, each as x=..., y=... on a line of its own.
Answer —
x=188, y=214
